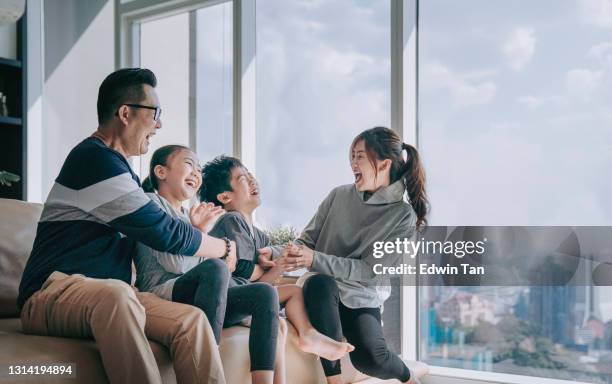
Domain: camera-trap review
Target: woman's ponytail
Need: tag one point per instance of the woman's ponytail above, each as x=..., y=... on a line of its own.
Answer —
x=414, y=180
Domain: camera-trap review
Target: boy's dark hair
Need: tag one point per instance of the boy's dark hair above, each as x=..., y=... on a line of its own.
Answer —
x=216, y=177
x=120, y=87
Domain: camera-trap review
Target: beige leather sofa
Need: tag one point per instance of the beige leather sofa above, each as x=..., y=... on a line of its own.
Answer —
x=17, y=229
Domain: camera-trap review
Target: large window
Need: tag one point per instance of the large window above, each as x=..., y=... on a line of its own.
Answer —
x=323, y=76
x=213, y=93
x=191, y=54
x=514, y=129
x=164, y=48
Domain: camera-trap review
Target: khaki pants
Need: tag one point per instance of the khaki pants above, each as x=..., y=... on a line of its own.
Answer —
x=121, y=319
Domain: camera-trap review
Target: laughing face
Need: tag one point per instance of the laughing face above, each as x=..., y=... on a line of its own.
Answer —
x=244, y=195
x=142, y=126
x=369, y=175
x=181, y=176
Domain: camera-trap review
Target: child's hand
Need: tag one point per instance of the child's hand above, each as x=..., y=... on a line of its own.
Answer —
x=203, y=216
x=265, y=258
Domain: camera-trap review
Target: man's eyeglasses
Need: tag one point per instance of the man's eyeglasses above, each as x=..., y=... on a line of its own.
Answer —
x=156, y=109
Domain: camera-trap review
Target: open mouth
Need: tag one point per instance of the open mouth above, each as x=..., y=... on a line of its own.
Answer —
x=254, y=192
x=191, y=183
x=358, y=176
x=149, y=136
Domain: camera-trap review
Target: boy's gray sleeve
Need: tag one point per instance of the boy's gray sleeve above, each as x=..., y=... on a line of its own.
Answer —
x=231, y=228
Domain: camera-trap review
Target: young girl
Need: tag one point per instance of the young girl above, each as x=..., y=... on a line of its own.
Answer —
x=344, y=298
x=175, y=175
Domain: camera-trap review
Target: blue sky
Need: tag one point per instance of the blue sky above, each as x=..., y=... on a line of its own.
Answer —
x=516, y=111
x=515, y=103
x=515, y=106
x=323, y=76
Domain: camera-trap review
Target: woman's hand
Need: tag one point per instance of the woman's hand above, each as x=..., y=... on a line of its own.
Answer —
x=298, y=256
x=203, y=216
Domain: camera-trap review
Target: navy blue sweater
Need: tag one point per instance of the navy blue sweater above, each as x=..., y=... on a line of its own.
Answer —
x=93, y=216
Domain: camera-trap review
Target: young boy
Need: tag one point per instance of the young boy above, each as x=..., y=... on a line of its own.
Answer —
x=227, y=183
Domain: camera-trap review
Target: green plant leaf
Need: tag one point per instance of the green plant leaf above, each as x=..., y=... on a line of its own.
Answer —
x=7, y=178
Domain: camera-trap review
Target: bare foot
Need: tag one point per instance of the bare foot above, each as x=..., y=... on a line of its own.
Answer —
x=417, y=370
x=314, y=342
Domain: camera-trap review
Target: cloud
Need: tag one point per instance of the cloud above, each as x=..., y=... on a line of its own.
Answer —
x=462, y=90
x=535, y=102
x=343, y=63
x=310, y=4
x=603, y=53
x=323, y=76
x=597, y=12
x=532, y=102
x=519, y=47
x=582, y=82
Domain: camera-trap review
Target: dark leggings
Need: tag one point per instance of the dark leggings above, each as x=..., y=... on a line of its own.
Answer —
x=362, y=327
x=207, y=286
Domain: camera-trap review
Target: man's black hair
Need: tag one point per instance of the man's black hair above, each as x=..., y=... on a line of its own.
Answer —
x=120, y=87
x=217, y=177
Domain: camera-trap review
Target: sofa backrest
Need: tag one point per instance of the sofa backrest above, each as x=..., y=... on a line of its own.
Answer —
x=18, y=221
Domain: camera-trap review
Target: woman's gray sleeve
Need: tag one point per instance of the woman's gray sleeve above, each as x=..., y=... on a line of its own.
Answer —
x=310, y=234
x=362, y=269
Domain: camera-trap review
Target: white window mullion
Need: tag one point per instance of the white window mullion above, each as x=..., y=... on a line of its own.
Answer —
x=404, y=121
x=244, y=82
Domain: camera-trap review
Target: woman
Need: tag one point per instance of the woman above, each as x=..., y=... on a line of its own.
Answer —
x=174, y=179
x=344, y=298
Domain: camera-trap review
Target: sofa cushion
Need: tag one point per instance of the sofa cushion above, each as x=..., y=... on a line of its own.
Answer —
x=18, y=221
x=302, y=368
x=20, y=349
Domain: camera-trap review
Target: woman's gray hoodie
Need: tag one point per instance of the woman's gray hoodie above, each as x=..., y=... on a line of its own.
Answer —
x=342, y=234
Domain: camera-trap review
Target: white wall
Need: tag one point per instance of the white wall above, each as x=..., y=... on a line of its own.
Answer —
x=78, y=46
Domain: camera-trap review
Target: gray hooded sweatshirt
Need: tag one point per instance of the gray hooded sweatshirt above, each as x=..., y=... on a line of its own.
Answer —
x=342, y=234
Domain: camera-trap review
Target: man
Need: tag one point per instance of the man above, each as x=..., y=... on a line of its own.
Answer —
x=76, y=281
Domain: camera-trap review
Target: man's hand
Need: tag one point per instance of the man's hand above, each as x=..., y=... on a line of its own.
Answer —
x=203, y=216
x=231, y=259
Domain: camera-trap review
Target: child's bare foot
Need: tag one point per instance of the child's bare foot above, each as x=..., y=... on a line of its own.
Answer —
x=314, y=342
x=417, y=370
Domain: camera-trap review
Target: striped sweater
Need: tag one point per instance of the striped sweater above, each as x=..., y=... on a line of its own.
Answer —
x=94, y=214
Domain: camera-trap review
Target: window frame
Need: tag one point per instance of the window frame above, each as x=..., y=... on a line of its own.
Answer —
x=404, y=24
x=128, y=19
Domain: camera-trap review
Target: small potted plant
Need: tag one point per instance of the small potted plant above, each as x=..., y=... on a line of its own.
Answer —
x=282, y=235
x=7, y=179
